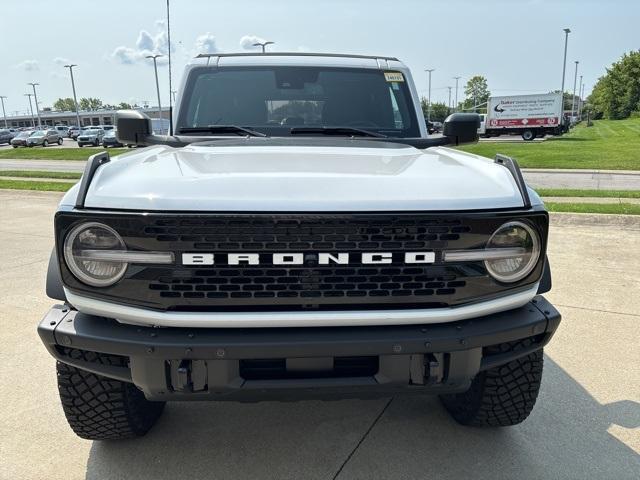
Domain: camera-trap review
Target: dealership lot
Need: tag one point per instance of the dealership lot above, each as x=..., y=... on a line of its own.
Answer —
x=586, y=423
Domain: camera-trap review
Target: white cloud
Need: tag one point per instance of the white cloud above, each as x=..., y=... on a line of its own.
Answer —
x=206, y=43
x=29, y=65
x=61, y=61
x=146, y=44
x=247, y=42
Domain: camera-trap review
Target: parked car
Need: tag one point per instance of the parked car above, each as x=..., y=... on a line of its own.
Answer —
x=73, y=132
x=44, y=138
x=90, y=136
x=110, y=139
x=5, y=136
x=62, y=130
x=20, y=140
x=107, y=127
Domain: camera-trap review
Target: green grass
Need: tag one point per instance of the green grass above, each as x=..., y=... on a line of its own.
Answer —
x=607, y=145
x=570, y=192
x=615, y=208
x=40, y=174
x=40, y=153
x=32, y=185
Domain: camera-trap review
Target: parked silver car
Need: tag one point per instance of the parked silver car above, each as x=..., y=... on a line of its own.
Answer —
x=20, y=140
x=6, y=135
x=44, y=138
x=90, y=136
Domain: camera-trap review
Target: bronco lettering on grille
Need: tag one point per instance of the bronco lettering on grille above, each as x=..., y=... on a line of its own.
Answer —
x=365, y=258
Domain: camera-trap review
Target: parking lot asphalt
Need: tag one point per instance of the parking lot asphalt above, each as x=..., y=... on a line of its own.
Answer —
x=586, y=423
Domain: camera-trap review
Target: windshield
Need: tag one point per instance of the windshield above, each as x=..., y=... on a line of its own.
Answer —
x=272, y=100
x=39, y=133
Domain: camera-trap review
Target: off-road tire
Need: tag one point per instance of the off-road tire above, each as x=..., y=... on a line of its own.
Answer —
x=100, y=408
x=501, y=396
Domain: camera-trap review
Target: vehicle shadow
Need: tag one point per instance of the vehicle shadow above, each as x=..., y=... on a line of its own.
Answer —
x=565, y=437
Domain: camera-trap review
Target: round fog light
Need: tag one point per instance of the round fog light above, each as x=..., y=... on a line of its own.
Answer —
x=79, y=249
x=523, y=243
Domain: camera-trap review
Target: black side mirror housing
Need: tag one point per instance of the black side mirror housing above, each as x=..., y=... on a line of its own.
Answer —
x=461, y=128
x=133, y=127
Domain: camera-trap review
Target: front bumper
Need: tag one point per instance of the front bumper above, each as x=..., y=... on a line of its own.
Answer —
x=291, y=363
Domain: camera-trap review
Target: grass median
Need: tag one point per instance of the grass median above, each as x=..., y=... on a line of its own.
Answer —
x=42, y=153
x=41, y=186
x=571, y=192
x=40, y=174
x=607, y=145
x=612, y=208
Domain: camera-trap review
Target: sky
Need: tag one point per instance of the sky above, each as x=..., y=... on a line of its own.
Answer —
x=516, y=44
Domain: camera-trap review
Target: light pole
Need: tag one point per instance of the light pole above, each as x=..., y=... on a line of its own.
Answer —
x=564, y=67
x=263, y=45
x=155, y=67
x=33, y=121
x=575, y=79
x=35, y=97
x=581, y=106
x=2, y=97
x=579, y=96
x=449, y=101
x=456, y=105
x=73, y=86
x=429, y=70
x=170, y=84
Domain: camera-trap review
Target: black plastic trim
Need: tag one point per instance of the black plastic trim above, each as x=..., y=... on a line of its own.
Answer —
x=545, y=280
x=513, y=167
x=54, y=288
x=94, y=162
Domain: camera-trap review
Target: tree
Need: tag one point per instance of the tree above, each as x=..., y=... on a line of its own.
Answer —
x=477, y=92
x=90, y=103
x=616, y=94
x=439, y=111
x=64, y=105
x=124, y=106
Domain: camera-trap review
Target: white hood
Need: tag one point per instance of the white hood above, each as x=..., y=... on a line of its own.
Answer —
x=369, y=176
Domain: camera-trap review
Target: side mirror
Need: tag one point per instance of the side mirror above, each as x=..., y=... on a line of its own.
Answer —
x=133, y=127
x=461, y=128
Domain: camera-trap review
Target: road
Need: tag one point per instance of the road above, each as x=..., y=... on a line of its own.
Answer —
x=590, y=179
x=586, y=423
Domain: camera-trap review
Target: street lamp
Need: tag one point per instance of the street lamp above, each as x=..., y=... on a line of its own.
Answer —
x=73, y=86
x=35, y=96
x=456, y=105
x=2, y=97
x=564, y=66
x=575, y=79
x=263, y=45
x=449, y=101
x=33, y=121
x=580, y=96
x=429, y=70
x=155, y=67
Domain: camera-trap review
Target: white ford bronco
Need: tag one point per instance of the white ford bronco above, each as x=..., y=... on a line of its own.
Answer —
x=297, y=235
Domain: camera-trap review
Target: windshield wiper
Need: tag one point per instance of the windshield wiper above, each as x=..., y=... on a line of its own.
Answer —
x=336, y=131
x=223, y=129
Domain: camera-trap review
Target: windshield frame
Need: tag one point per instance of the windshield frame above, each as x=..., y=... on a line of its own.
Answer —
x=413, y=131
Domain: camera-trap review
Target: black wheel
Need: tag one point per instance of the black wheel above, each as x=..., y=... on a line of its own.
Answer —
x=528, y=135
x=60, y=141
x=80, y=145
x=96, y=143
x=502, y=396
x=99, y=408
x=14, y=146
x=45, y=143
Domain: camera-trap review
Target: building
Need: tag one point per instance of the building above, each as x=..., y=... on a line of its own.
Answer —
x=87, y=117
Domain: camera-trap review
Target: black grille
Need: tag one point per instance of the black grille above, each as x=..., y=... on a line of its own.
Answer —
x=309, y=285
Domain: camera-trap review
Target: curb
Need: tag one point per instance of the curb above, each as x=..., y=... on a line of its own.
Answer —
x=565, y=219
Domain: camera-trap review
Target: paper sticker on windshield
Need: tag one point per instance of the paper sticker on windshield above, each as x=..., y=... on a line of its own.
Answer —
x=393, y=77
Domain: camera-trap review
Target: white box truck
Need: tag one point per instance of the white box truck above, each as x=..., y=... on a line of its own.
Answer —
x=528, y=115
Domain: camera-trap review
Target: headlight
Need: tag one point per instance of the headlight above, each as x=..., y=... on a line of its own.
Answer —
x=522, y=244
x=82, y=249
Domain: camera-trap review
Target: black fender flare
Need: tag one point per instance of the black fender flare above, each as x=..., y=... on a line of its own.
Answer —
x=545, y=280
x=54, y=279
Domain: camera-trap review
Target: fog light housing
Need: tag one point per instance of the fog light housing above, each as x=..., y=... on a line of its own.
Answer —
x=80, y=245
x=517, y=237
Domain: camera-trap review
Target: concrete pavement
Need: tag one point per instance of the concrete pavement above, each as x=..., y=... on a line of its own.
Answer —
x=586, y=423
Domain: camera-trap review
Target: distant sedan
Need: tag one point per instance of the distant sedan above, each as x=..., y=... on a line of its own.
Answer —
x=110, y=139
